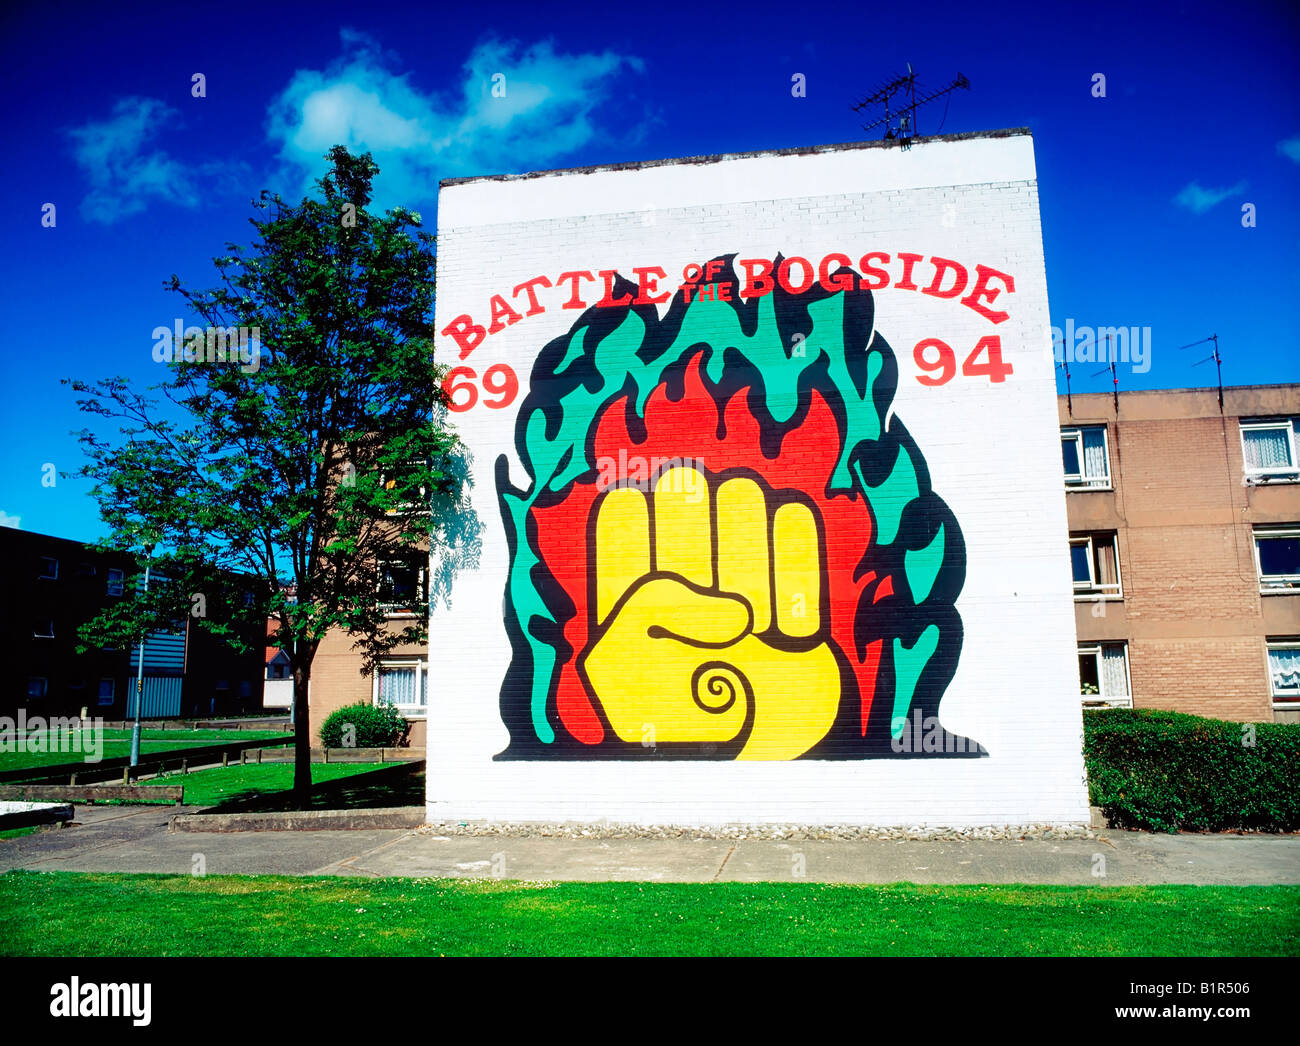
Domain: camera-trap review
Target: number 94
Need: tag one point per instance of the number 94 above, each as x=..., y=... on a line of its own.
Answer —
x=940, y=371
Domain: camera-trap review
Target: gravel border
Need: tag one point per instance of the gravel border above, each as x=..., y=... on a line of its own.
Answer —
x=731, y=833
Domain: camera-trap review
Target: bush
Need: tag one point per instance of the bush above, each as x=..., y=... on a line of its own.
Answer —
x=1165, y=771
x=377, y=726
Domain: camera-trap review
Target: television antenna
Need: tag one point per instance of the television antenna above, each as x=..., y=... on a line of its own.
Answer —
x=1114, y=378
x=1218, y=361
x=1065, y=366
x=899, y=120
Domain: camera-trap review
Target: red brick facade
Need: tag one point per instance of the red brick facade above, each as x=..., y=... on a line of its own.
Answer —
x=336, y=680
x=1196, y=624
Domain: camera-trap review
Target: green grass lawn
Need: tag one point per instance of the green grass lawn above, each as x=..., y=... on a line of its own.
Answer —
x=226, y=785
x=76, y=914
x=118, y=743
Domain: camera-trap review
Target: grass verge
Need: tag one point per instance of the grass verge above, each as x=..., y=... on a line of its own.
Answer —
x=84, y=914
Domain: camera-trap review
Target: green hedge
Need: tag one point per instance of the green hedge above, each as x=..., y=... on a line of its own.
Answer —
x=376, y=726
x=1166, y=771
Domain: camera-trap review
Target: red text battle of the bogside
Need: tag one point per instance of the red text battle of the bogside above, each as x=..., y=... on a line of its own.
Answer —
x=581, y=289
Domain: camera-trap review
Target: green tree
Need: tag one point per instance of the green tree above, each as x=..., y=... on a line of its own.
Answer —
x=305, y=464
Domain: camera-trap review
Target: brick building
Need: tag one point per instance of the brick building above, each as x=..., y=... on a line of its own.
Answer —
x=1185, y=543
x=402, y=676
x=52, y=586
x=402, y=679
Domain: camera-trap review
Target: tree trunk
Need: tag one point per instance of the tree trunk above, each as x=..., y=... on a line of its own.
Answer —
x=301, y=738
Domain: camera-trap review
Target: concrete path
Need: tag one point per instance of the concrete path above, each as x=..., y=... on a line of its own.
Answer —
x=135, y=839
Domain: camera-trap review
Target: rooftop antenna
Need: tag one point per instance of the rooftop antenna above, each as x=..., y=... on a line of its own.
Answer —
x=1114, y=378
x=1218, y=361
x=1065, y=366
x=905, y=111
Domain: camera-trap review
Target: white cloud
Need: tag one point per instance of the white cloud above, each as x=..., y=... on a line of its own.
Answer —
x=1199, y=200
x=123, y=178
x=7, y=520
x=547, y=111
x=1290, y=148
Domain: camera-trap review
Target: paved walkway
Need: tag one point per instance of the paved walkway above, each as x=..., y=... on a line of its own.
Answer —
x=136, y=839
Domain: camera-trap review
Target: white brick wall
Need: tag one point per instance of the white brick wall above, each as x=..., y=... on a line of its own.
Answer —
x=991, y=450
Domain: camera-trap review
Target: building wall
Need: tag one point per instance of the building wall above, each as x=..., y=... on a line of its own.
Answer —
x=219, y=680
x=336, y=681
x=278, y=694
x=1193, y=616
x=192, y=657
x=76, y=595
x=938, y=575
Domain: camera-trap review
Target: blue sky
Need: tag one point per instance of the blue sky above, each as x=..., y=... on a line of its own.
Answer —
x=1142, y=190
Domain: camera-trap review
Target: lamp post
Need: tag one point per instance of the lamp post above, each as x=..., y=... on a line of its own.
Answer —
x=139, y=677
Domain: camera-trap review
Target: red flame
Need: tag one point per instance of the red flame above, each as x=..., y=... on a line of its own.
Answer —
x=688, y=428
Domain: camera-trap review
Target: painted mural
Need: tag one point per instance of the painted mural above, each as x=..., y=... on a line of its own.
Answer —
x=728, y=547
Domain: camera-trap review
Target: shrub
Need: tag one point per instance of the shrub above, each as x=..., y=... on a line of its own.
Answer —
x=1165, y=771
x=377, y=726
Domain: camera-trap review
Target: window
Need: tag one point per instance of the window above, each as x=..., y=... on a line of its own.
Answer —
x=401, y=585
x=116, y=581
x=1277, y=559
x=1095, y=561
x=1268, y=448
x=49, y=568
x=399, y=479
x=245, y=688
x=37, y=686
x=107, y=691
x=1085, y=455
x=43, y=628
x=1103, y=675
x=86, y=570
x=404, y=685
x=1284, y=672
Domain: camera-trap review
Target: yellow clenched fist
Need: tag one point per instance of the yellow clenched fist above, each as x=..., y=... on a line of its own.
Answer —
x=711, y=630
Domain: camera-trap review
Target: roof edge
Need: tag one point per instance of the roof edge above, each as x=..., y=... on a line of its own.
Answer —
x=1270, y=386
x=805, y=150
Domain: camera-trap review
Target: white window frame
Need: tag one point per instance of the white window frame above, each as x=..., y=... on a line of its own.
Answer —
x=388, y=608
x=1274, y=584
x=43, y=635
x=50, y=577
x=1091, y=591
x=116, y=582
x=1288, y=475
x=112, y=691
x=421, y=666
x=1284, y=700
x=1101, y=697
x=1080, y=480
